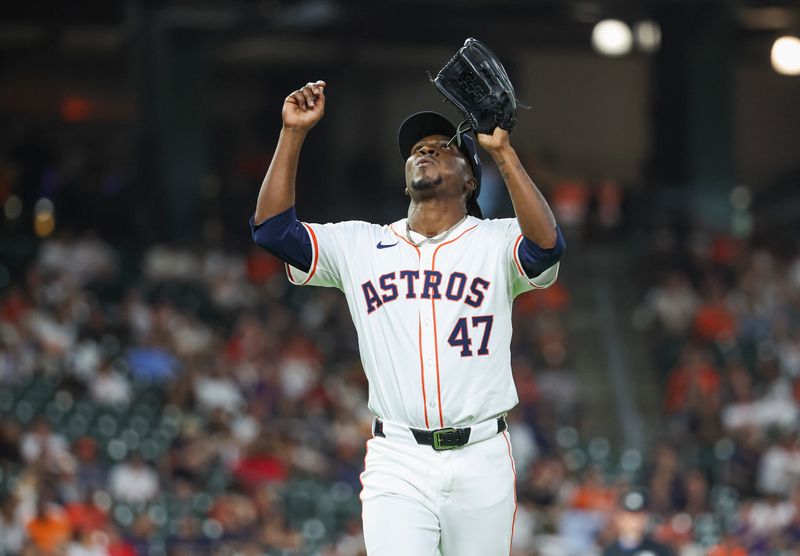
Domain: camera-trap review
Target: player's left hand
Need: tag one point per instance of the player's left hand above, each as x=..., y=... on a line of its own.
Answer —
x=495, y=142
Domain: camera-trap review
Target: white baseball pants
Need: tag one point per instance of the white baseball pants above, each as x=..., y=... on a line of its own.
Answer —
x=420, y=502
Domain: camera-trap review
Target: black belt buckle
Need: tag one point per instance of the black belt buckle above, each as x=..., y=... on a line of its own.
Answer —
x=446, y=439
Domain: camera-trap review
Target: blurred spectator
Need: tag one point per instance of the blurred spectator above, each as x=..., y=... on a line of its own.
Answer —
x=86, y=515
x=109, y=387
x=49, y=529
x=714, y=320
x=593, y=493
x=693, y=384
x=276, y=535
x=117, y=546
x=570, y=202
x=745, y=410
x=696, y=493
x=10, y=444
x=152, y=362
x=140, y=533
x=674, y=304
x=545, y=484
x=788, y=353
x=728, y=546
x=631, y=523
x=80, y=261
x=168, y=262
x=665, y=480
x=133, y=481
x=86, y=543
x=90, y=474
x=792, y=531
x=214, y=389
x=235, y=512
x=42, y=446
x=779, y=471
x=768, y=516
x=743, y=465
x=608, y=198
x=586, y=516
x=12, y=531
x=265, y=461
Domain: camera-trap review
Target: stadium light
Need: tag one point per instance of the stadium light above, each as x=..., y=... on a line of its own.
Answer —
x=785, y=55
x=612, y=37
x=648, y=35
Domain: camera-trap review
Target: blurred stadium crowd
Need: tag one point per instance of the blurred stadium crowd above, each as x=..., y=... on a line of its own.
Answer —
x=191, y=402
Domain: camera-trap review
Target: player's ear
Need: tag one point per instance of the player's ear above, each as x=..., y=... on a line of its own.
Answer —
x=471, y=183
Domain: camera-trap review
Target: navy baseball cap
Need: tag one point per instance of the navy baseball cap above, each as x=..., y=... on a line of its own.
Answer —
x=423, y=124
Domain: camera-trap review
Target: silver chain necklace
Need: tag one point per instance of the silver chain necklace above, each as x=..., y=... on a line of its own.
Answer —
x=435, y=239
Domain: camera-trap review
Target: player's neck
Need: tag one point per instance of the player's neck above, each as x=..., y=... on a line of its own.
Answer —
x=432, y=217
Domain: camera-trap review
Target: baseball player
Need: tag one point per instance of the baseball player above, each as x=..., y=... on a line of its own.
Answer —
x=430, y=296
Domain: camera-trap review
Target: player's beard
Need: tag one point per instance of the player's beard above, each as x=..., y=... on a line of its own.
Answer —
x=426, y=184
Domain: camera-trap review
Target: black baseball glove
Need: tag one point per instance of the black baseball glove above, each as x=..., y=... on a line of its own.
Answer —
x=477, y=83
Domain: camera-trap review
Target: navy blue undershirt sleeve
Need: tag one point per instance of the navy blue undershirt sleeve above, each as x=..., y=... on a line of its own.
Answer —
x=285, y=237
x=535, y=259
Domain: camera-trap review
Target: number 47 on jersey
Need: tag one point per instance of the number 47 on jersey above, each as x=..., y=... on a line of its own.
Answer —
x=462, y=336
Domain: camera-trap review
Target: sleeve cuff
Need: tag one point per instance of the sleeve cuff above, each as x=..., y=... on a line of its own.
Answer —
x=546, y=278
x=299, y=277
x=543, y=280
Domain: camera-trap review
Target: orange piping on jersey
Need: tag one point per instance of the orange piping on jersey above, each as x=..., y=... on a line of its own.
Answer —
x=404, y=239
x=436, y=352
x=516, y=260
x=435, y=339
x=314, y=260
x=422, y=375
x=514, y=469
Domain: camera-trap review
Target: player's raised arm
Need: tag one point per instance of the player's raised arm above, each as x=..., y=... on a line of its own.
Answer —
x=274, y=225
x=536, y=220
x=302, y=109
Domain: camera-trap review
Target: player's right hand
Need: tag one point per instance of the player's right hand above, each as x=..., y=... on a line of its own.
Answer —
x=304, y=107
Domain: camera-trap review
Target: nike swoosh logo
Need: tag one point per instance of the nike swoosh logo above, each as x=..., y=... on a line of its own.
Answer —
x=382, y=246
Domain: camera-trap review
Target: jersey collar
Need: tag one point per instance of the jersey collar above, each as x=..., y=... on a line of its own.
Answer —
x=399, y=228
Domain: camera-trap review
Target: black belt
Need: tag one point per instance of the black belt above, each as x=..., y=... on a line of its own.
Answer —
x=440, y=439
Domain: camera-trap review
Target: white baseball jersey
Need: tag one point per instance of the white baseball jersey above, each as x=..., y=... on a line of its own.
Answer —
x=433, y=322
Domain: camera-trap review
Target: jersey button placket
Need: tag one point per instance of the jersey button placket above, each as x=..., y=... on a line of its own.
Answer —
x=429, y=334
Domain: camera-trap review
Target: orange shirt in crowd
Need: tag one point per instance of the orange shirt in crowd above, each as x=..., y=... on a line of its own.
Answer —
x=705, y=380
x=86, y=517
x=721, y=550
x=594, y=498
x=714, y=320
x=50, y=532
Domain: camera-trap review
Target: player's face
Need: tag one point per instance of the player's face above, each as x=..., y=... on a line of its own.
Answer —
x=434, y=168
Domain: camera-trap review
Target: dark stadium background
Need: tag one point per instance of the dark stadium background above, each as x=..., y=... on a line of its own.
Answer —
x=164, y=391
